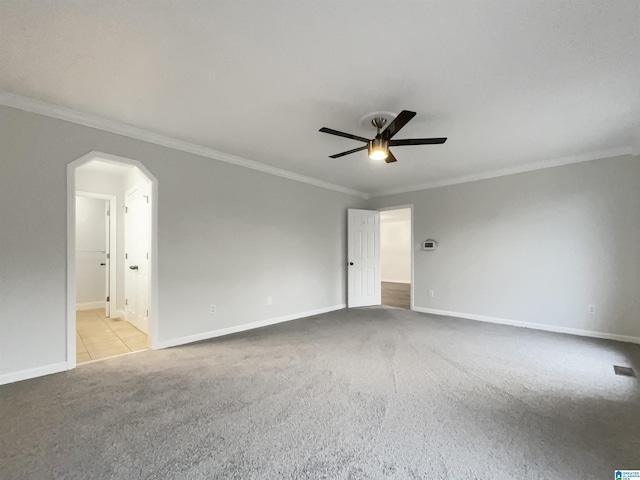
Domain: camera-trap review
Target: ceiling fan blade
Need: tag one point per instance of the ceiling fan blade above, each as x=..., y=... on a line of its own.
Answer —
x=390, y=158
x=342, y=134
x=400, y=121
x=417, y=141
x=348, y=152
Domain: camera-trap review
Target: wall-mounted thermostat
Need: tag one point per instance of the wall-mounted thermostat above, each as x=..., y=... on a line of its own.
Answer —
x=429, y=244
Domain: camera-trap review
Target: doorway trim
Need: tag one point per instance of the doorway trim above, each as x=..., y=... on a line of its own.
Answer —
x=113, y=243
x=71, y=249
x=413, y=243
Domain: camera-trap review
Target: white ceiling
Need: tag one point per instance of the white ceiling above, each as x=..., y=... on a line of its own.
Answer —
x=511, y=83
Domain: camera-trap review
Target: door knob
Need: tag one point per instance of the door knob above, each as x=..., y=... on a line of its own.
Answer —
x=133, y=267
x=350, y=263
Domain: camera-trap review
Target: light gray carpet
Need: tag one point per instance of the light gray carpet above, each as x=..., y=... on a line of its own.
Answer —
x=367, y=393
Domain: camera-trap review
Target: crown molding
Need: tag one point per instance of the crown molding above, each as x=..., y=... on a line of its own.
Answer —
x=556, y=162
x=43, y=108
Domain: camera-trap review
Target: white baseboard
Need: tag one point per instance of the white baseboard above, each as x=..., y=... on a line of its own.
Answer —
x=396, y=281
x=32, y=373
x=247, y=326
x=90, y=305
x=119, y=314
x=535, y=326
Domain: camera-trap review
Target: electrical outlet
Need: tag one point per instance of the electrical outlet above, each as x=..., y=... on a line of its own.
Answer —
x=269, y=300
x=431, y=293
x=212, y=309
x=591, y=309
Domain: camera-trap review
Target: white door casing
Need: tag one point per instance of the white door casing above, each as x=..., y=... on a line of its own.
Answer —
x=137, y=251
x=363, y=257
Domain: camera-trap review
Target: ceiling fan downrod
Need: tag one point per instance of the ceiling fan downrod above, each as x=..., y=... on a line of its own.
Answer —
x=379, y=123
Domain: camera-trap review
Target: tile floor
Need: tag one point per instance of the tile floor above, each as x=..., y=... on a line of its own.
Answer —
x=98, y=337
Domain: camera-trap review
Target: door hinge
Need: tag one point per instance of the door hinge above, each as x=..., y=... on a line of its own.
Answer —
x=108, y=256
x=126, y=209
x=108, y=299
x=147, y=255
x=108, y=213
x=147, y=313
x=146, y=197
x=126, y=301
x=126, y=256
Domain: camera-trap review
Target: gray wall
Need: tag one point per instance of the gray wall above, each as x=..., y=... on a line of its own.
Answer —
x=534, y=247
x=227, y=235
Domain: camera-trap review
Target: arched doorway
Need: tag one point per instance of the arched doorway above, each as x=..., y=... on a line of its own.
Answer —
x=131, y=299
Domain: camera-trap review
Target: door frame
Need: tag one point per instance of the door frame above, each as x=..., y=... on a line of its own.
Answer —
x=70, y=326
x=113, y=242
x=413, y=244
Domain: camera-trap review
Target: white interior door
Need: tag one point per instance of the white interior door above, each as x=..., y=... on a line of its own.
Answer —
x=137, y=246
x=107, y=259
x=90, y=252
x=363, y=231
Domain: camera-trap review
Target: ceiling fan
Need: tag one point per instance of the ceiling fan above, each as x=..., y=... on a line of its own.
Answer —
x=378, y=147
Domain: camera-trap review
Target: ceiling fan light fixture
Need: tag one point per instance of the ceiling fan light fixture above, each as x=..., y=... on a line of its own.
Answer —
x=378, y=149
